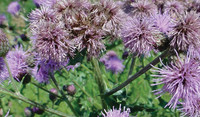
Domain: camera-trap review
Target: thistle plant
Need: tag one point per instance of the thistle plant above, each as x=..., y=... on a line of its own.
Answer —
x=86, y=58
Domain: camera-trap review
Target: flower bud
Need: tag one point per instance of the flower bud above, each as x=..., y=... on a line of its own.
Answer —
x=4, y=46
x=21, y=75
x=28, y=112
x=71, y=89
x=51, y=96
x=125, y=55
x=37, y=110
x=24, y=37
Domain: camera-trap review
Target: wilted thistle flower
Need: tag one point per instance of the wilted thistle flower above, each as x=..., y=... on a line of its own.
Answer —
x=186, y=31
x=163, y=22
x=52, y=42
x=174, y=7
x=17, y=64
x=85, y=35
x=2, y=18
x=4, y=45
x=116, y=112
x=138, y=36
x=13, y=8
x=144, y=8
x=68, y=7
x=109, y=15
x=180, y=79
x=112, y=62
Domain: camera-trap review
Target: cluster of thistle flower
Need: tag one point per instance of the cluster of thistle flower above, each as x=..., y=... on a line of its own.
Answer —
x=175, y=25
x=59, y=28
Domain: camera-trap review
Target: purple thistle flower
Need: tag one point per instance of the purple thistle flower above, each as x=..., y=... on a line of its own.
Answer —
x=67, y=7
x=116, y=112
x=194, y=52
x=39, y=3
x=52, y=42
x=17, y=64
x=108, y=15
x=45, y=13
x=13, y=8
x=144, y=8
x=185, y=32
x=138, y=36
x=43, y=68
x=2, y=18
x=112, y=62
x=173, y=7
x=163, y=22
x=191, y=107
x=41, y=74
x=180, y=79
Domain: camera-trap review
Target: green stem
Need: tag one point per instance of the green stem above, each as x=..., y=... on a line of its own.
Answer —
x=99, y=81
x=24, y=99
x=132, y=65
x=46, y=90
x=63, y=95
x=142, y=71
x=11, y=77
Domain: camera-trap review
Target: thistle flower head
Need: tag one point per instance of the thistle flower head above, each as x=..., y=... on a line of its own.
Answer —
x=45, y=13
x=174, y=6
x=2, y=18
x=39, y=3
x=51, y=42
x=85, y=35
x=144, y=8
x=185, y=32
x=43, y=68
x=108, y=15
x=4, y=45
x=17, y=64
x=180, y=79
x=163, y=22
x=68, y=7
x=138, y=36
x=13, y=8
x=117, y=112
x=112, y=62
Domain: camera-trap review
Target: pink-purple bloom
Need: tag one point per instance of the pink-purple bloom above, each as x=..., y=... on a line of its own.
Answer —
x=112, y=62
x=45, y=13
x=138, y=36
x=39, y=3
x=163, y=22
x=42, y=70
x=17, y=64
x=116, y=112
x=2, y=18
x=186, y=31
x=14, y=8
x=180, y=79
x=51, y=42
x=144, y=8
x=174, y=7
